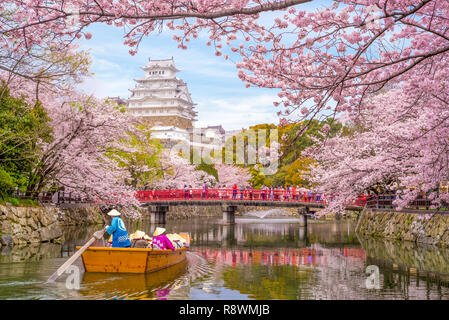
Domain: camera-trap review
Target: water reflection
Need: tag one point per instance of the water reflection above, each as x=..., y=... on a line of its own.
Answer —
x=156, y=285
x=253, y=259
x=410, y=268
x=73, y=236
x=31, y=252
x=312, y=256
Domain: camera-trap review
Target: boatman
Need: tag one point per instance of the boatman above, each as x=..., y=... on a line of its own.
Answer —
x=118, y=231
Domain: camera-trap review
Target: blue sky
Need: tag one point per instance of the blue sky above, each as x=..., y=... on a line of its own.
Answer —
x=221, y=96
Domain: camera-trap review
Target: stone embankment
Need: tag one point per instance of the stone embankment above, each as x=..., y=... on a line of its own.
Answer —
x=428, y=228
x=22, y=225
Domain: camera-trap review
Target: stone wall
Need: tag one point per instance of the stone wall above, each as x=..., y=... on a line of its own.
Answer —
x=77, y=216
x=428, y=228
x=175, y=121
x=21, y=225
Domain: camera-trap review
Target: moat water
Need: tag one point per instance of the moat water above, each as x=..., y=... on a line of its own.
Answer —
x=270, y=258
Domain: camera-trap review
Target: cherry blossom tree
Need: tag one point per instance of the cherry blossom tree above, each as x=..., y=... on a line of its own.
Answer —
x=229, y=175
x=44, y=60
x=335, y=58
x=404, y=149
x=323, y=62
x=67, y=20
x=328, y=58
x=178, y=172
x=84, y=129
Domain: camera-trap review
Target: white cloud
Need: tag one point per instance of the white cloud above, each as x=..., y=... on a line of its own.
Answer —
x=212, y=81
x=237, y=112
x=102, y=88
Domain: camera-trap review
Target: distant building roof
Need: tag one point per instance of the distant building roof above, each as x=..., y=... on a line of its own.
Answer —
x=118, y=100
x=219, y=128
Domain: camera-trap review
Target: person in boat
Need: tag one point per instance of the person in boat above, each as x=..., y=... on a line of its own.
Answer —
x=177, y=241
x=160, y=240
x=139, y=240
x=118, y=231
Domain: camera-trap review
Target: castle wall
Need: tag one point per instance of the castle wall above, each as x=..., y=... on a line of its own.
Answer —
x=175, y=121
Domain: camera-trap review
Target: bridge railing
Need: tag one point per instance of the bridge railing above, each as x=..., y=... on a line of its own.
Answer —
x=386, y=201
x=240, y=194
x=54, y=197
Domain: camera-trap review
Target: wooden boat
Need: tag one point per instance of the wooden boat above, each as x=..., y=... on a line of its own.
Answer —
x=130, y=260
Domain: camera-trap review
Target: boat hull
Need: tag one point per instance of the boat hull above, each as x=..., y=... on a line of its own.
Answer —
x=130, y=260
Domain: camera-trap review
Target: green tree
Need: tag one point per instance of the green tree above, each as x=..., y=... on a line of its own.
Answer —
x=23, y=128
x=293, y=168
x=143, y=163
x=208, y=168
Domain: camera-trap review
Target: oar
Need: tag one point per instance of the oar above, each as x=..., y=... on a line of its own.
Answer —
x=97, y=236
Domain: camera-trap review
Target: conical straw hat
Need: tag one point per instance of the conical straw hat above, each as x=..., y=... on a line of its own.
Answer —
x=175, y=237
x=158, y=231
x=137, y=235
x=114, y=213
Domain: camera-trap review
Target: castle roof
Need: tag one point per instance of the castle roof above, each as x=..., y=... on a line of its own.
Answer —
x=160, y=64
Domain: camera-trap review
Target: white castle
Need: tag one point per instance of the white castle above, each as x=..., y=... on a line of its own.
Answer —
x=163, y=101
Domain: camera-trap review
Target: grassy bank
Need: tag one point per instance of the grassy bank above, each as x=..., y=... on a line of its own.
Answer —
x=18, y=202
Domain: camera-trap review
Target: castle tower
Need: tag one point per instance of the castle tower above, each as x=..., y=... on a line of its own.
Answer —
x=163, y=101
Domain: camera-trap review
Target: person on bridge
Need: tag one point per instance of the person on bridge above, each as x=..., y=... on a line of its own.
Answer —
x=204, y=196
x=190, y=192
x=160, y=240
x=118, y=231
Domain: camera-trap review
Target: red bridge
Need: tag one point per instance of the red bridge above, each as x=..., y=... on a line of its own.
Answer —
x=245, y=195
x=160, y=200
